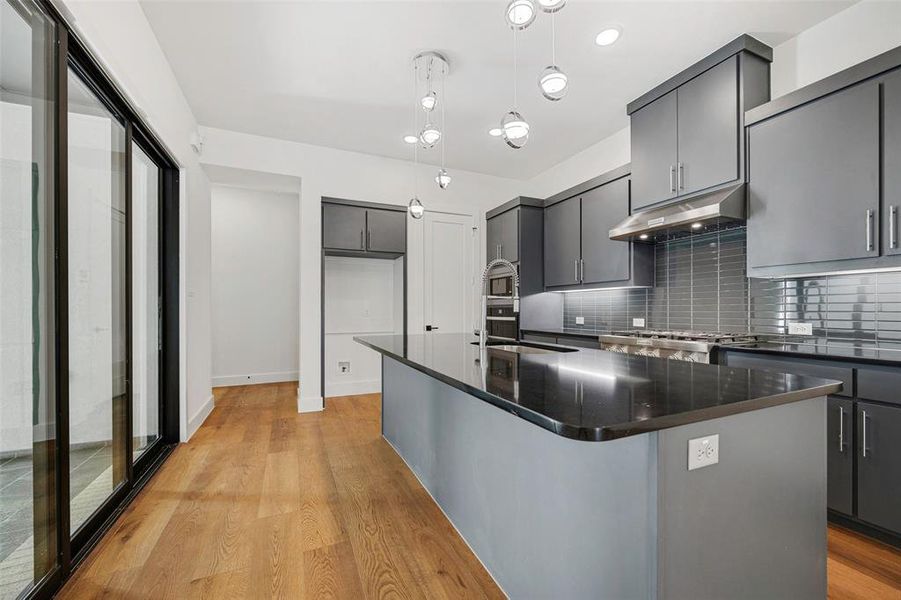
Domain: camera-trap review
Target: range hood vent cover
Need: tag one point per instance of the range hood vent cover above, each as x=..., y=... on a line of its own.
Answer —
x=714, y=210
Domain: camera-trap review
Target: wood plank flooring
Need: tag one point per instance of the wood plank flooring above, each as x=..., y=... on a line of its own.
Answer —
x=266, y=503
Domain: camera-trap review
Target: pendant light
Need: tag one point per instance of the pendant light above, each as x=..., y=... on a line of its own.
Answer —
x=551, y=6
x=514, y=126
x=443, y=179
x=414, y=206
x=520, y=13
x=552, y=81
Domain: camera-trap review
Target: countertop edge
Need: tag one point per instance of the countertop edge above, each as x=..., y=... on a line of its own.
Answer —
x=870, y=360
x=607, y=433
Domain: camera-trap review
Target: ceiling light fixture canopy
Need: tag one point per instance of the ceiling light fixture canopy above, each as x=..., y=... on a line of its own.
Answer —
x=520, y=13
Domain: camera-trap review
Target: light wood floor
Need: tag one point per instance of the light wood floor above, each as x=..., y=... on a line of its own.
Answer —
x=266, y=503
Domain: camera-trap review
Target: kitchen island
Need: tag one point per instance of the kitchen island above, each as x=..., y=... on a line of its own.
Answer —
x=567, y=471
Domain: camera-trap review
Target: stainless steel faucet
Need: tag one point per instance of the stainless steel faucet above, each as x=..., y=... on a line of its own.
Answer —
x=498, y=262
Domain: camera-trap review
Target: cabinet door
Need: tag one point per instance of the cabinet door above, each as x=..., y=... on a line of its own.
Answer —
x=508, y=234
x=891, y=159
x=879, y=465
x=386, y=230
x=603, y=208
x=839, y=454
x=343, y=227
x=493, y=239
x=654, y=152
x=814, y=181
x=561, y=243
x=708, y=129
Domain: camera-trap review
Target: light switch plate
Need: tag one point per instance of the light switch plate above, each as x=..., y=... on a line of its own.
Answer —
x=580, y=320
x=637, y=322
x=703, y=451
x=800, y=329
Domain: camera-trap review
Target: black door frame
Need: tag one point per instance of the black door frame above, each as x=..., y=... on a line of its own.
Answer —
x=72, y=550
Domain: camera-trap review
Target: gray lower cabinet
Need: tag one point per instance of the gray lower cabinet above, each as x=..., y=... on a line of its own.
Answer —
x=603, y=208
x=879, y=465
x=386, y=231
x=891, y=158
x=708, y=129
x=503, y=236
x=814, y=181
x=654, y=138
x=840, y=454
x=562, y=246
x=343, y=227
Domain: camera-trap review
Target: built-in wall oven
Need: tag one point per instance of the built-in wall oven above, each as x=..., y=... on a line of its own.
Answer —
x=503, y=323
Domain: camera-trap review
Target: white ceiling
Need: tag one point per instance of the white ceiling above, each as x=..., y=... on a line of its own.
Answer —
x=338, y=73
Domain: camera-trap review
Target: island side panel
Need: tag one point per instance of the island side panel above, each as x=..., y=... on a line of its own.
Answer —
x=754, y=525
x=548, y=516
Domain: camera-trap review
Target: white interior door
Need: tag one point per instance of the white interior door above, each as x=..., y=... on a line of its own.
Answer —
x=448, y=272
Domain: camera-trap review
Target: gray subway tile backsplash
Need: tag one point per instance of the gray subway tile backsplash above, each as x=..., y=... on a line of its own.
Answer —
x=701, y=284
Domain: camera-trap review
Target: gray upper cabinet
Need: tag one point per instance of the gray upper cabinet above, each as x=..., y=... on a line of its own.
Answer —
x=708, y=129
x=503, y=236
x=386, y=231
x=654, y=152
x=343, y=227
x=602, y=209
x=891, y=159
x=562, y=251
x=814, y=181
x=879, y=465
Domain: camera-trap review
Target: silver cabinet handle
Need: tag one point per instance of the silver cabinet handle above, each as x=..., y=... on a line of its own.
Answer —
x=576, y=269
x=863, y=426
x=581, y=270
x=362, y=245
x=369, y=238
x=672, y=178
x=841, y=429
x=681, y=176
x=869, y=230
x=892, y=227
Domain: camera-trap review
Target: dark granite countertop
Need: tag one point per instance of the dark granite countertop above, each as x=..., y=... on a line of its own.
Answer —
x=595, y=395
x=849, y=352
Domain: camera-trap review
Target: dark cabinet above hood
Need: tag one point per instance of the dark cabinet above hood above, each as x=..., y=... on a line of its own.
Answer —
x=712, y=210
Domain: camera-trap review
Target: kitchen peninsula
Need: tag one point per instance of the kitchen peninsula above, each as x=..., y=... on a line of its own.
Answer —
x=567, y=470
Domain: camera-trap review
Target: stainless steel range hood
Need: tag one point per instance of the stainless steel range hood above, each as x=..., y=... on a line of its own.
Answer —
x=702, y=212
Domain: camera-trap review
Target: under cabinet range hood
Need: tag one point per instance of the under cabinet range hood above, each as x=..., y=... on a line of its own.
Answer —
x=712, y=210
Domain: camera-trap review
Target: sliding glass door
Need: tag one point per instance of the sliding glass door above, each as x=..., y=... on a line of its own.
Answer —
x=28, y=450
x=98, y=336
x=88, y=301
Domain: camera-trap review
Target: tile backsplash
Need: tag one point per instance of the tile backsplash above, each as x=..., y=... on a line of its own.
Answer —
x=701, y=284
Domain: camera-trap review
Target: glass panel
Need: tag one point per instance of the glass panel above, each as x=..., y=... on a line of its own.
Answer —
x=145, y=299
x=27, y=392
x=98, y=342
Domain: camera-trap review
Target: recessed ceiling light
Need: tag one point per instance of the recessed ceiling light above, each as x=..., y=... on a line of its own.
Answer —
x=696, y=225
x=643, y=236
x=608, y=36
x=495, y=131
x=411, y=139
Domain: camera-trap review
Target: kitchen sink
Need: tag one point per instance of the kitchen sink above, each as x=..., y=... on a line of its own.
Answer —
x=528, y=348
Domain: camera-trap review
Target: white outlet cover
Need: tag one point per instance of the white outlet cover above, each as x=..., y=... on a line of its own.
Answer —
x=703, y=451
x=580, y=320
x=637, y=322
x=800, y=328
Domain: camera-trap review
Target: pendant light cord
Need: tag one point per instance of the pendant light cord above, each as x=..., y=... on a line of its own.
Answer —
x=514, y=70
x=443, y=101
x=554, y=38
x=416, y=144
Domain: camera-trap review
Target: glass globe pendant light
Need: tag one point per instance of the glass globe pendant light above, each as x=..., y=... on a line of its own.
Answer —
x=514, y=127
x=551, y=6
x=429, y=136
x=443, y=179
x=552, y=81
x=415, y=208
x=428, y=101
x=520, y=13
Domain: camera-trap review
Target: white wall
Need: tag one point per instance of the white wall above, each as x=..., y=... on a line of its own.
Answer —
x=121, y=38
x=338, y=173
x=364, y=296
x=851, y=36
x=255, y=294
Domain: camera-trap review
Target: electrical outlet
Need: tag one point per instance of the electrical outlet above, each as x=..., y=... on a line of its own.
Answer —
x=637, y=322
x=344, y=367
x=800, y=329
x=580, y=320
x=703, y=452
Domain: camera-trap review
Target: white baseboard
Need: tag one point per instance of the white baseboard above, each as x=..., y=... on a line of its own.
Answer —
x=253, y=378
x=197, y=420
x=352, y=388
x=309, y=404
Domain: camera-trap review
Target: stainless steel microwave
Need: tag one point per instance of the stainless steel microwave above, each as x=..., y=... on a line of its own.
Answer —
x=500, y=285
